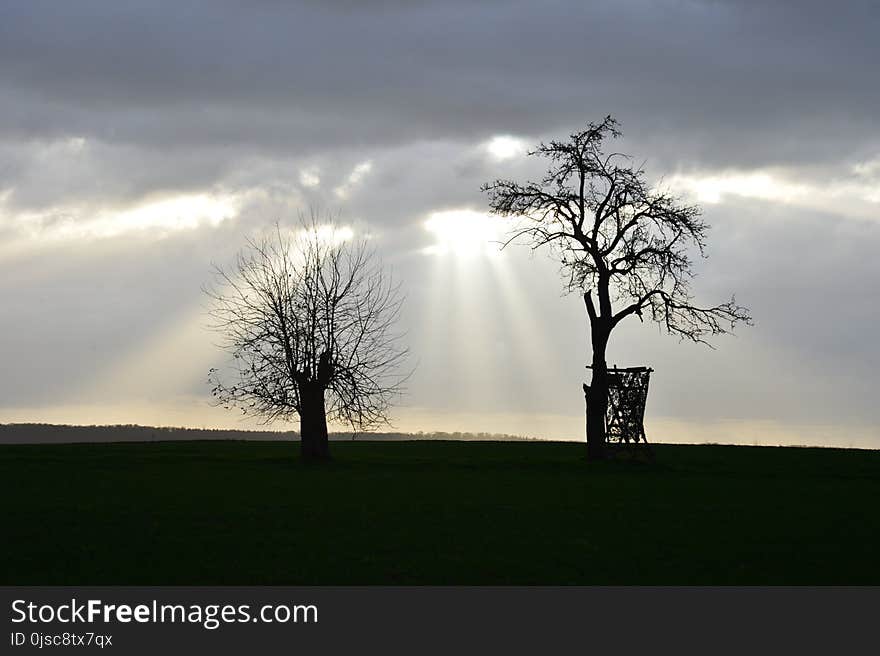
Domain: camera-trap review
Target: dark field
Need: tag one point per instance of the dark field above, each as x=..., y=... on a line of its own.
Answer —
x=436, y=513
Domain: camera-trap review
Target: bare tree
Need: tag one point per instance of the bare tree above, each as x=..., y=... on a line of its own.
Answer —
x=624, y=245
x=308, y=317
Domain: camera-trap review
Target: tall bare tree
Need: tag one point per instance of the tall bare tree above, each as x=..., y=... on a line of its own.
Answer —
x=624, y=246
x=308, y=316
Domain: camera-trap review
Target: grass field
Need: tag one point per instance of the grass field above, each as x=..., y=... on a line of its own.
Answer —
x=436, y=513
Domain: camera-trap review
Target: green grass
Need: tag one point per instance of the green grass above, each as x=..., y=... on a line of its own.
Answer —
x=436, y=513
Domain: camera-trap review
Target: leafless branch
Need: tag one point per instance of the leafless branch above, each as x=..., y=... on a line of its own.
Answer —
x=615, y=235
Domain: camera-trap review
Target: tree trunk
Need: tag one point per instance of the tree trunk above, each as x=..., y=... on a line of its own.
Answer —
x=597, y=397
x=314, y=444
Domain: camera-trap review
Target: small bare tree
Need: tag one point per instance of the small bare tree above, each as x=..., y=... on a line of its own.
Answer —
x=308, y=316
x=623, y=245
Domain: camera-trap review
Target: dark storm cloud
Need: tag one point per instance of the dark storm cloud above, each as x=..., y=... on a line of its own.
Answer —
x=748, y=79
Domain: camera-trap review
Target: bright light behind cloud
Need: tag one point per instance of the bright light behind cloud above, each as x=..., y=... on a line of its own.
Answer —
x=503, y=147
x=310, y=177
x=325, y=235
x=329, y=234
x=160, y=217
x=464, y=233
x=181, y=213
x=713, y=188
x=853, y=193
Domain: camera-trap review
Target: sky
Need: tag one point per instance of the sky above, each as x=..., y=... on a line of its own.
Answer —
x=140, y=142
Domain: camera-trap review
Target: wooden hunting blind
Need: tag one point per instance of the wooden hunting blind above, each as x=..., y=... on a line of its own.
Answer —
x=625, y=414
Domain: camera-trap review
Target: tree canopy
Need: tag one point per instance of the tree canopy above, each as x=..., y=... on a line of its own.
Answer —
x=306, y=312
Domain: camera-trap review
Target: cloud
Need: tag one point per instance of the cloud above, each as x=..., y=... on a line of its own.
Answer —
x=157, y=218
x=855, y=194
x=358, y=173
x=310, y=177
x=718, y=76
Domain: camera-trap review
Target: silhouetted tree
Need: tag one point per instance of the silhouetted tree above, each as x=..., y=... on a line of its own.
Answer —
x=623, y=244
x=308, y=316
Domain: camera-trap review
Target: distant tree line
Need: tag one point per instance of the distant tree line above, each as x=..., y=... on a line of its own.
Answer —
x=62, y=433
